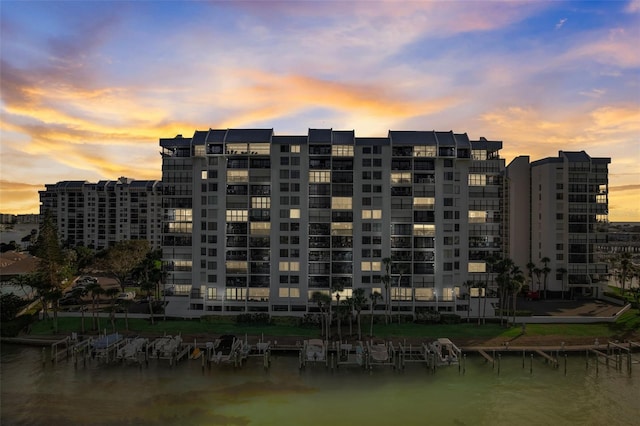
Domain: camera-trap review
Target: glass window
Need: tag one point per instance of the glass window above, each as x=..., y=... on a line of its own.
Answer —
x=341, y=203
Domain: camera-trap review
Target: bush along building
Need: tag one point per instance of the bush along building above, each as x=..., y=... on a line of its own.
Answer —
x=257, y=222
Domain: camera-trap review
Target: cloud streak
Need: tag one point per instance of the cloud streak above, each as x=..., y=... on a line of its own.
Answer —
x=87, y=93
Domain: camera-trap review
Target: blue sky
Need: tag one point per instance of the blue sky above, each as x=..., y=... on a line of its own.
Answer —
x=88, y=88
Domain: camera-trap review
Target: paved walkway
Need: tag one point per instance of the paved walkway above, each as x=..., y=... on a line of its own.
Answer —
x=587, y=308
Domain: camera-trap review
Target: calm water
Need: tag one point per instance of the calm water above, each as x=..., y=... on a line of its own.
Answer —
x=184, y=395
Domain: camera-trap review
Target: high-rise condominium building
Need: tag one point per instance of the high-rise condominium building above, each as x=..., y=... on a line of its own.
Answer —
x=97, y=215
x=257, y=222
x=558, y=215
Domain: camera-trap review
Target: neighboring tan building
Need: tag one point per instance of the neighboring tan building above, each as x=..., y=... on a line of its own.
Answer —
x=97, y=215
x=559, y=211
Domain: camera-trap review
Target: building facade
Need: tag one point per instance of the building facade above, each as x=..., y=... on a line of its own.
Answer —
x=557, y=220
x=97, y=215
x=257, y=222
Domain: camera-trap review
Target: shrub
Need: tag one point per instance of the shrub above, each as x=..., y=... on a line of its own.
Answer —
x=13, y=327
x=427, y=316
x=254, y=318
x=450, y=318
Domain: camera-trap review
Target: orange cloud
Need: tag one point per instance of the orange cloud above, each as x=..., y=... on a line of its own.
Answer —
x=18, y=197
x=272, y=96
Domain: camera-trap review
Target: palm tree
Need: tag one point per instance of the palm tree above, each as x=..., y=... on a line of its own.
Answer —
x=374, y=296
x=149, y=287
x=468, y=285
x=563, y=272
x=359, y=300
x=79, y=292
x=336, y=287
x=482, y=288
x=545, y=272
x=112, y=293
x=54, y=297
x=507, y=271
x=516, y=282
x=125, y=306
x=625, y=272
x=402, y=269
x=322, y=300
x=538, y=273
x=386, y=280
x=95, y=290
x=530, y=267
x=347, y=308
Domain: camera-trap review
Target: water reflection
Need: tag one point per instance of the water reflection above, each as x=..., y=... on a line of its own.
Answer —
x=284, y=395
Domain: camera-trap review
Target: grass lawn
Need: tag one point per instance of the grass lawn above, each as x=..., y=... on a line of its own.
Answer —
x=626, y=324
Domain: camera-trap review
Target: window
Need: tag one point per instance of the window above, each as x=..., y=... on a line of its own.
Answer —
x=424, y=151
x=237, y=175
x=371, y=214
x=477, y=180
x=477, y=267
x=237, y=215
x=289, y=292
x=371, y=266
x=260, y=202
x=424, y=202
x=211, y=293
x=341, y=203
x=319, y=176
x=342, y=150
x=401, y=177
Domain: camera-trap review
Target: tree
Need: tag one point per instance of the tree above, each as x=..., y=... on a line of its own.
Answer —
x=538, y=273
x=149, y=273
x=336, y=287
x=121, y=259
x=625, y=270
x=402, y=269
x=482, y=288
x=508, y=275
x=347, y=309
x=516, y=282
x=10, y=305
x=84, y=258
x=545, y=272
x=469, y=284
x=322, y=300
x=52, y=268
x=374, y=296
x=563, y=272
x=95, y=290
x=359, y=301
x=112, y=293
x=530, y=267
x=386, y=280
x=79, y=293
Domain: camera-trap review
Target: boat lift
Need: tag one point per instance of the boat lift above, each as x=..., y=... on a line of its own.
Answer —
x=169, y=348
x=349, y=354
x=380, y=353
x=106, y=346
x=134, y=350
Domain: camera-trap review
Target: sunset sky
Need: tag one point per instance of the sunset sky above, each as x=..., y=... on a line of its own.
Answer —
x=88, y=88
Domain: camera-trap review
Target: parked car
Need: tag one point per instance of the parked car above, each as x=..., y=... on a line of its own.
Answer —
x=129, y=295
x=533, y=295
x=66, y=301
